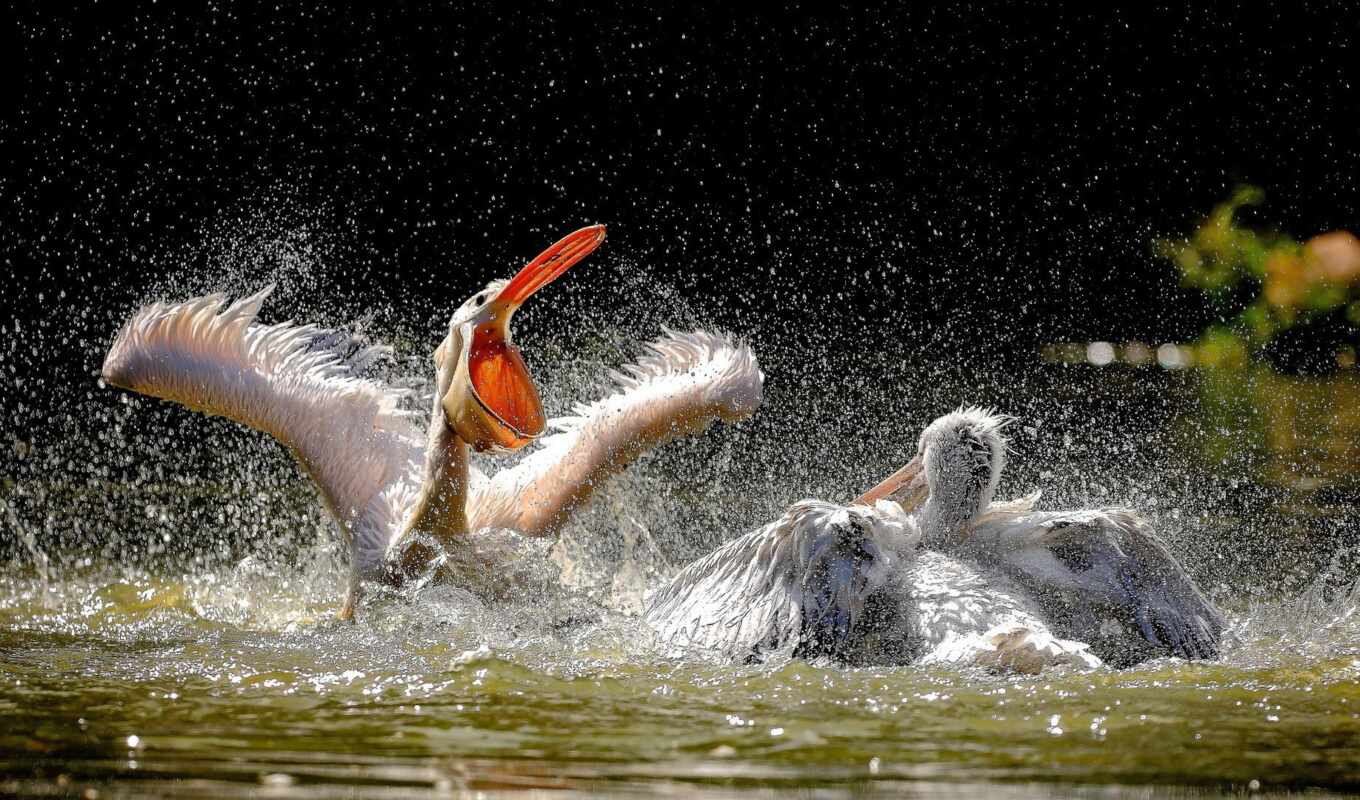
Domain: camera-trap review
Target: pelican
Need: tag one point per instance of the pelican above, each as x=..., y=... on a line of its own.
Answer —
x=405, y=503
x=927, y=567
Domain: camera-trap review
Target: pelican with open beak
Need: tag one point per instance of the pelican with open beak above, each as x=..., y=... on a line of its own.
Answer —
x=491, y=400
x=484, y=397
x=400, y=500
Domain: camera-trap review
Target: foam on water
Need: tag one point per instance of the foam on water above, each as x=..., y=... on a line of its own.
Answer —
x=226, y=677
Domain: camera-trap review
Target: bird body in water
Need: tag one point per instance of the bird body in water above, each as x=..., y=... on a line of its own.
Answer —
x=923, y=568
x=406, y=504
x=928, y=568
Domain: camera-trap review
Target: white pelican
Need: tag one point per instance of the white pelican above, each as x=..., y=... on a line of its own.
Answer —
x=402, y=501
x=956, y=578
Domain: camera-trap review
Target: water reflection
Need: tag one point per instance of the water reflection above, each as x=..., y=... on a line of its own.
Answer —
x=1299, y=432
x=1302, y=432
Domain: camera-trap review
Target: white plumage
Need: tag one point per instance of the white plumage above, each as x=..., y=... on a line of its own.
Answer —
x=350, y=434
x=353, y=436
x=961, y=579
x=1102, y=576
x=956, y=613
x=678, y=387
x=770, y=591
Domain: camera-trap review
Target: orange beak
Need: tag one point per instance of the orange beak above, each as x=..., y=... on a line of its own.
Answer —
x=907, y=486
x=549, y=264
x=509, y=413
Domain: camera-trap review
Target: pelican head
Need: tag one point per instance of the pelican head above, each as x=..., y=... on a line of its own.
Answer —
x=958, y=463
x=488, y=396
x=962, y=456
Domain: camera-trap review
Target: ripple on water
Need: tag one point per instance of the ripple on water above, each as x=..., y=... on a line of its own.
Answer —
x=167, y=677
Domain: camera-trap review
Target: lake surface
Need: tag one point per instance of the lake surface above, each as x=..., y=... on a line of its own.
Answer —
x=183, y=640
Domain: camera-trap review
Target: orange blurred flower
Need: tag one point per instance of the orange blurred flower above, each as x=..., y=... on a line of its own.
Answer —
x=1333, y=257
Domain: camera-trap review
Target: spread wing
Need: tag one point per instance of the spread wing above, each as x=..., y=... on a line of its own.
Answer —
x=683, y=383
x=301, y=384
x=737, y=601
x=1103, y=577
x=799, y=584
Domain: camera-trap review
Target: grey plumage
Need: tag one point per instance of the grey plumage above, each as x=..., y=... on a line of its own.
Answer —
x=1102, y=576
x=964, y=579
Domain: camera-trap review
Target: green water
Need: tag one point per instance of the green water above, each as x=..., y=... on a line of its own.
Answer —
x=183, y=644
x=136, y=687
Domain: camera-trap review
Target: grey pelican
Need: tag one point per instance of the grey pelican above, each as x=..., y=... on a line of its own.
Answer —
x=927, y=568
x=404, y=503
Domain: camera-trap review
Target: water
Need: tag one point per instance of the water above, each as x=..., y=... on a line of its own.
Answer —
x=167, y=618
x=143, y=686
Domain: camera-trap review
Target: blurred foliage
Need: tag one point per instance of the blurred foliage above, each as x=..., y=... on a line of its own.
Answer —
x=1265, y=283
x=1298, y=432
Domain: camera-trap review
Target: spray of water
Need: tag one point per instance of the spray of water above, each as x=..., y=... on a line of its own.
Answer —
x=126, y=507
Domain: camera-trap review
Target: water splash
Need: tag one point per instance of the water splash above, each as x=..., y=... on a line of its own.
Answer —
x=184, y=567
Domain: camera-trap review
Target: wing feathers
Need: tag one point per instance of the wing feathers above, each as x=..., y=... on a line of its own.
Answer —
x=677, y=388
x=1103, y=576
x=351, y=433
x=798, y=585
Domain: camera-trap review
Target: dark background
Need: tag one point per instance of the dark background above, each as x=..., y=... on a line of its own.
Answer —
x=960, y=176
x=863, y=193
